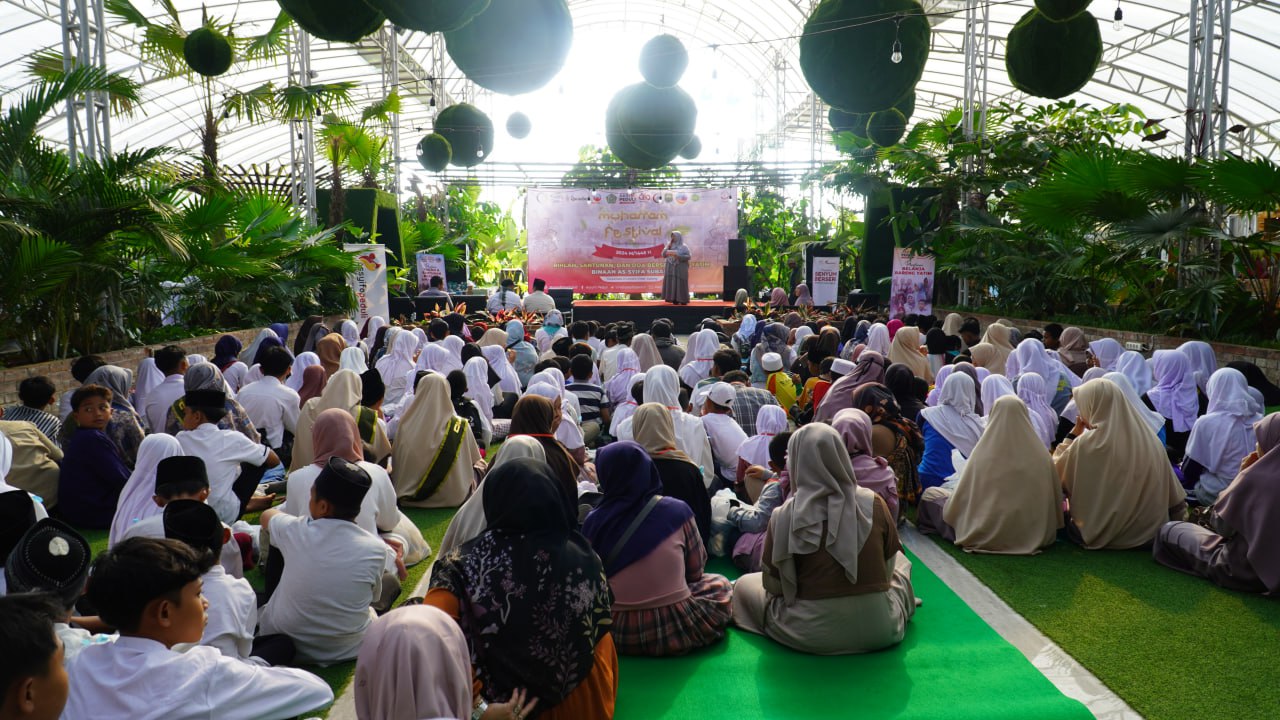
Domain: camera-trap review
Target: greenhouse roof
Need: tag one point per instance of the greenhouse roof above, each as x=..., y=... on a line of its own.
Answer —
x=744, y=72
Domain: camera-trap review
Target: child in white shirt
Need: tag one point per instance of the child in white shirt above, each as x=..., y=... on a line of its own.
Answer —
x=222, y=452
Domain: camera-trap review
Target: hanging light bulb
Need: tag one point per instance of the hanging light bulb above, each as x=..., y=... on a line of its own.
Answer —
x=896, y=56
x=1118, y=25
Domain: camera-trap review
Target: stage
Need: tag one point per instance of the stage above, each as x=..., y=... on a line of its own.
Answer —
x=644, y=312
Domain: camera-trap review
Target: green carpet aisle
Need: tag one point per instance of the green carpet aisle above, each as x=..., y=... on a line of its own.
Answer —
x=951, y=665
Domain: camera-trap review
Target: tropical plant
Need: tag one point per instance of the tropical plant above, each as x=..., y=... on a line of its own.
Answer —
x=776, y=231
x=599, y=168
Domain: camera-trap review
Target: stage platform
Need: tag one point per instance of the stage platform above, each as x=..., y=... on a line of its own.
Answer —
x=644, y=312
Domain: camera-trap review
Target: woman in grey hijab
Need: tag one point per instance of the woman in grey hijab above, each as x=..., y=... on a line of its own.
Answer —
x=675, y=278
x=206, y=376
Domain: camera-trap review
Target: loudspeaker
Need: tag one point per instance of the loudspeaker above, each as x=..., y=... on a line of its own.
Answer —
x=862, y=299
x=474, y=303
x=734, y=278
x=401, y=306
x=737, y=252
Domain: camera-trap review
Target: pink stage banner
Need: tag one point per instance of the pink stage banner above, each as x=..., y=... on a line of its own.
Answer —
x=611, y=241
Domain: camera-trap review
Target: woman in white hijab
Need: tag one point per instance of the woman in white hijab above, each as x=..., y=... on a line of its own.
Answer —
x=1107, y=352
x=1008, y=500
x=1120, y=486
x=247, y=355
x=1203, y=361
x=300, y=365
x=470, y=522
x=149, y=377
x=770, y=420
x=952, y=424
x=353, y=359
x=137, y=499
x=905, y=349
x=662, y=386
x=878, y=339
x=496, y=356
x=1221, y=438
x=619, y=386
x=396, y=365
x=833, y=579
x=698, y=359
x=742, y=339
x=478, y=390
x=1132, y=365
x=437, y=358
x=994, y=387
x=1043, y=418
x=624, y=410
x=350, y=332
x=435, y=453
x=1031, y=357
x=569, y=431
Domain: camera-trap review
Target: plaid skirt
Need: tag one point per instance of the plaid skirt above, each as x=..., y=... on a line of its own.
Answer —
x=692, y=623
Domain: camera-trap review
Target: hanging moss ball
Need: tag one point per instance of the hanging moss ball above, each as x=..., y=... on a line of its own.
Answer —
x=1053, y=59
x=692, y=150
x=207, y=51
x=623, y=149
x=519, y=126
x=850, y=68
x=429, y=16
x=886, y=128
x=469, y=132
x=334, y=20
x=1059, y=10
x=907, y=105
x=515, y=46
x=663, y=61
x=434, y=152
x=842, y=121
x=658, y=121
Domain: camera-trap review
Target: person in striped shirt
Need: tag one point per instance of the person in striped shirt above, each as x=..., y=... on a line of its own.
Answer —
x=592, y=398
x=37, y=395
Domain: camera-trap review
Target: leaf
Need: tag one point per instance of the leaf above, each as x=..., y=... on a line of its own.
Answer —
x=272, y=44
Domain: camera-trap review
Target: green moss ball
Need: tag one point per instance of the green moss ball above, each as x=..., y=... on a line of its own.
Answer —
x=515, y=46
x=1053, y=59
x=663, y=61
x=208, y=52
x=846, y=51
x=435, y=152
x=469, y=132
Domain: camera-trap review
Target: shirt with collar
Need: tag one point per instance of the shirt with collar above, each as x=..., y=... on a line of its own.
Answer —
x=505, y=300
x=141, y=679
x=44, y=422
x=272, y=406
x=725, y=435
x=332, y=574
x=539, y=302
x=222, y=452
x=160, y=399
x=153, y=527
x=233, y=615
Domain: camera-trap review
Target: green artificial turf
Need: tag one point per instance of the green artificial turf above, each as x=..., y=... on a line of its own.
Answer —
x=950, y=665
x=1171, y=645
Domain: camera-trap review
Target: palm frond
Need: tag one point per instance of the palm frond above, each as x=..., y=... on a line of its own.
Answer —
x=272, y=44
x=1239, y=185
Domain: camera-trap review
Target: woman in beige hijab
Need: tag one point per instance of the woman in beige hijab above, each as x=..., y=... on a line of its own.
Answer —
x=1119, y=483
x=1008, y=500
x=834, y=581
x=470, y=522
x=435, y=453
x=646, y=349
x=905, y=349
x=342, y=392
x=982, y=355
x=997, y=336
x=493, y=336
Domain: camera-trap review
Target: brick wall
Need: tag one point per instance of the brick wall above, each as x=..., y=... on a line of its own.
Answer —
x=1265, y=358
x=59, y=371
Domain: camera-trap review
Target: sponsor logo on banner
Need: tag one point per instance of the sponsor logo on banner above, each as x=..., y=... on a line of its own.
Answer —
x=369, y=281
x=614, y=242
x=911, y=290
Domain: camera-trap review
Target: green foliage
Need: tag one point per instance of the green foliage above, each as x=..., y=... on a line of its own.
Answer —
x=776, y=231
x=334, y=20
x=90, y=253
x=599, y=168
x=846, y=51
x=1053, y=59
x=514, y=46
x=469, y=132
x=207, y=51
x=663, y=61
x=429, y=17
x=457, y=223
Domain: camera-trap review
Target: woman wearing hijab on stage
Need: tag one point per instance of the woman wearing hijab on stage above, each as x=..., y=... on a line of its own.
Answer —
x=675, y=278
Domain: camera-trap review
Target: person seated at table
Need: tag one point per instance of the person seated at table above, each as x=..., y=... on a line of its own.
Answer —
x=822, y=590
x=663, y=602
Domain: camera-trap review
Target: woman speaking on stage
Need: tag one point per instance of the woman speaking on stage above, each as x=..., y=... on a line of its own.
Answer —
x=675, y=278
